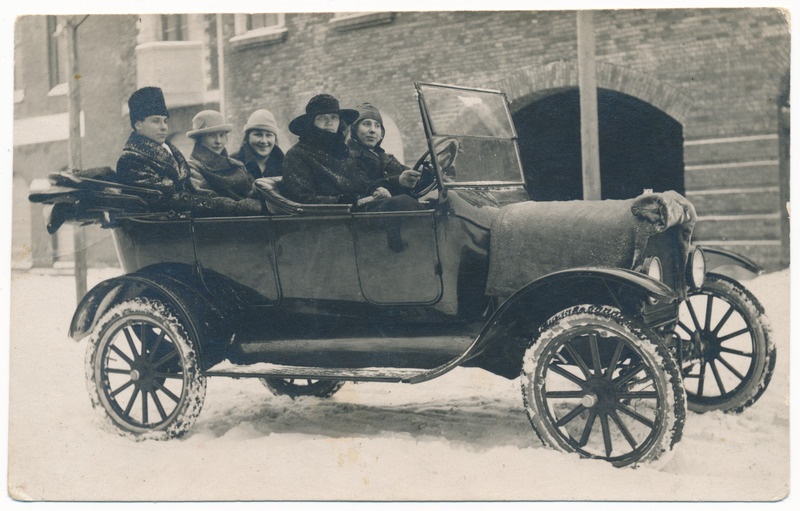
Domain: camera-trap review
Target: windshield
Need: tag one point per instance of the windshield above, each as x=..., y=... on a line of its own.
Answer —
x=480, y=122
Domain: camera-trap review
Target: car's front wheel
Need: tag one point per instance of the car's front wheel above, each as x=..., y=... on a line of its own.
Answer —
x=300, y=387
x=143, y=372
x=728, y=355
x=595, y=383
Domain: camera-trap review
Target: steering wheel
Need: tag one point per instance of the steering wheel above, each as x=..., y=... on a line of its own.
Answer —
x=446, y=152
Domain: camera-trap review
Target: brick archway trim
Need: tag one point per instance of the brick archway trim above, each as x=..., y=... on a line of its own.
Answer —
x=530, y=84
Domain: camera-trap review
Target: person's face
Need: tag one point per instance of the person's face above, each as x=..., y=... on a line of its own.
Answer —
x=262, y=141
x=368, y=132
x=215, y=141
x=153, y=127
x=327, y=122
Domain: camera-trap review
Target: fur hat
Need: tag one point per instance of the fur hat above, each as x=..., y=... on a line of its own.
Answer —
x=367, y=111
x=261, y=120
x=318, y=105
x=208, y=121
x=145, y=102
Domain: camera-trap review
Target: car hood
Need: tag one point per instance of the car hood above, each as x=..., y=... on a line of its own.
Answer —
x=531, y=239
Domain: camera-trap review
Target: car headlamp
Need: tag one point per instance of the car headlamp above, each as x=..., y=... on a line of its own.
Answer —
x=652, y=268
x=696, y=268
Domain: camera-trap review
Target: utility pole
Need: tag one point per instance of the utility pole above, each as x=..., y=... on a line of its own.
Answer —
x=587, y=85
x=75, y=157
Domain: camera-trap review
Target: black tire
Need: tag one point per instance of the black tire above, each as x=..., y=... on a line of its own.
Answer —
x=302, y=387
x=143, y=372
x=596, y=384
x=727, y=350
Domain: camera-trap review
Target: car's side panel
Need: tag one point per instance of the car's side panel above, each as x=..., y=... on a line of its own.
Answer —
x=239, y=249
x=397, y=257
x=142, y=243
x=316, y=258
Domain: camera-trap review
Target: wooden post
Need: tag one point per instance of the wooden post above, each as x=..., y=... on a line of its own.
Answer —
x=75, y=157
x=587, y=84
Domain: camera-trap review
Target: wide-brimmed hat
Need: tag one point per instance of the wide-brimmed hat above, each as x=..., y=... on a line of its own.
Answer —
x=318, y=105
x=145, y=102
x=208, y=121
x=261, y=120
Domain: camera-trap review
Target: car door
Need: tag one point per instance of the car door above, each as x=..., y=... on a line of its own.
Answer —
x=397, y=257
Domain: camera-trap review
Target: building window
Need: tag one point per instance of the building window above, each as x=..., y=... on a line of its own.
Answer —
x=258, y=29
x=264, y=20
x=56, y=53
x=174, y=27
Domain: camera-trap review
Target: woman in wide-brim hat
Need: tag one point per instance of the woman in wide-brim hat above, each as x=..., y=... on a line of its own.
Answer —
x=213, y=171
x=259, y=150
x=317, y=169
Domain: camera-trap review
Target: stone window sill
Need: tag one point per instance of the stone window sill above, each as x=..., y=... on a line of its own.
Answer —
x=358, y=20
x=259, y=37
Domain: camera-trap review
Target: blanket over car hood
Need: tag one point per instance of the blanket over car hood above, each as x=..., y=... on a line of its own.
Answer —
x=532, y=239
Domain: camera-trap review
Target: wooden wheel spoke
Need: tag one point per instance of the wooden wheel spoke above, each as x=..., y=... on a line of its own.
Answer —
x=717, y=377
x=693, y=314
x=587, y=428
x=121, y=388
x=166, y=358
x=145, y=417
x=709, y=305
x=131, y=402
x=571, y=415
x=168, y=392
x=723, y=319
x=623, y=429
x=564, y=394
x=160, y=408
x=595, y=349
x=154, y=348
x=686, y=328
x=731, y=368
x=607, y=443
x=741, y=353
x=641, y=394
x=579, y=361
x=114, y=370
x=122, y=355
x=702, y=378
x=733, y=334
x=636, y=415
x=566, y=374
x=614, y=359
x=131, y=344
x=623, y=379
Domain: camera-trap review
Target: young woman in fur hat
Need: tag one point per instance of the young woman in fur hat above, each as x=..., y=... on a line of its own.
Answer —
x=259, y=151
x=317, y=170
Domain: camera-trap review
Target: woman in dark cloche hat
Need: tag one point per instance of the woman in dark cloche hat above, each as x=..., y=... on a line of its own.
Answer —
x=316, y=170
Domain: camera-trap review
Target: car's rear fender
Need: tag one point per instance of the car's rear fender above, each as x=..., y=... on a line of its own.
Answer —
x=508, y=332
x=178, y=287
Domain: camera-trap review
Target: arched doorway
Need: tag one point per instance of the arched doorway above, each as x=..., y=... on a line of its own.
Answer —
x=641, y=147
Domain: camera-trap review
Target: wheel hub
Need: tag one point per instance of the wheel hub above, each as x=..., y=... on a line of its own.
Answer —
x=599, y=392
x=589, y=400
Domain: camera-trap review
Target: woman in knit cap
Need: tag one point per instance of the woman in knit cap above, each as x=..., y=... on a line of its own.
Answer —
x=213, y=172
x=364, y=143
x=259, y=151
x=318, y=170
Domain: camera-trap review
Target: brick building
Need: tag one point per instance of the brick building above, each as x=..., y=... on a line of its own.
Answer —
x=689, y=99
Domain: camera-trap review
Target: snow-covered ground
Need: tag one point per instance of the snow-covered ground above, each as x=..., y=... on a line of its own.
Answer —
x=463, y=436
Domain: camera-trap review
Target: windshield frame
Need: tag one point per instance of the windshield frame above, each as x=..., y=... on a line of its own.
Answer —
x=433, y=136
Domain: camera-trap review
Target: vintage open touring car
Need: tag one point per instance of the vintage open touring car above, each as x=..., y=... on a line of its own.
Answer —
x=592, y=304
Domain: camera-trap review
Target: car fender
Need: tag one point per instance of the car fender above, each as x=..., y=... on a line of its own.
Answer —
x=730, y=264
x=177, y=287
x=508, y=332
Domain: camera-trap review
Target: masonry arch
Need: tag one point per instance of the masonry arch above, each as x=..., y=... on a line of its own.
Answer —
x=641, y=147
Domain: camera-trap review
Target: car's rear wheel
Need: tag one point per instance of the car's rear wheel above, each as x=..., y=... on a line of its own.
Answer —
x=595, y=383
x=143, y=372
x=728, y=355
x=300, y=387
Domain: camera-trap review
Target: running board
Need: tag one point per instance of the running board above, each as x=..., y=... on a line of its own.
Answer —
x=265, y=370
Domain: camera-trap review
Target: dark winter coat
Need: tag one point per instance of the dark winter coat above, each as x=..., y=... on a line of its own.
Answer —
x=274, y=166
x=382, y=168
x=318, y=170
x=217, y=174
x=148, y=164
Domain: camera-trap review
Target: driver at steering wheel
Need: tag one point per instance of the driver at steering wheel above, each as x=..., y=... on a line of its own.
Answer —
x=364, y=144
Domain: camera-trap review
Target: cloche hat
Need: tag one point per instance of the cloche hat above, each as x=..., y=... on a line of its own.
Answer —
x=145, y=102
x=318, y=105
x=208, y=121
x=261, y=120
x=367, y=111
